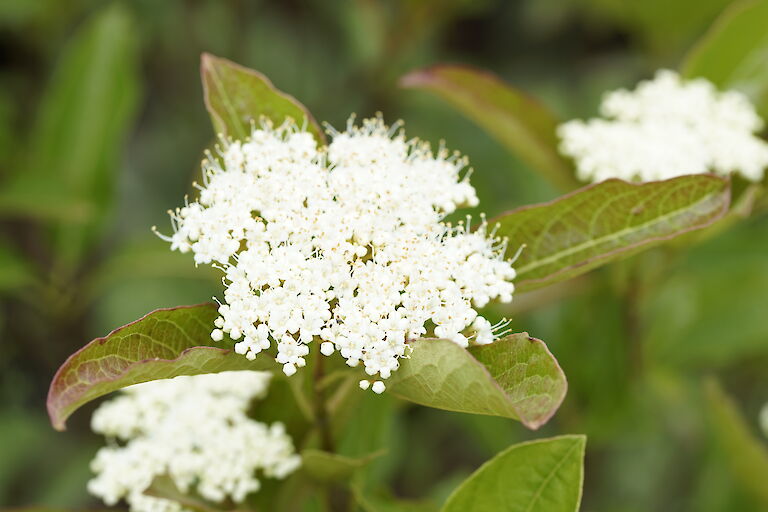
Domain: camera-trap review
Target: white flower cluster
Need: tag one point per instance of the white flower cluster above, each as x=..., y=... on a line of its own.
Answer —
x=193, y=430
x=764, y=419
x=667, y=127
x=344, y=245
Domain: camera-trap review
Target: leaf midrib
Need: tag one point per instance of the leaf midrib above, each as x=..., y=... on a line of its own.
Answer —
x=540, y=490
x=594, y=242
x=226, y=101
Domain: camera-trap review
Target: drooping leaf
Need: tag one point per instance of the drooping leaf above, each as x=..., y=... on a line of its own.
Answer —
x=518, y=121
x=748, y=456
x=733, y=54
x=607, y=221
x=329, y=467
x=163, y=344
x=236, y=96
x=82, y=122
x=545, y=475
x=514, y=377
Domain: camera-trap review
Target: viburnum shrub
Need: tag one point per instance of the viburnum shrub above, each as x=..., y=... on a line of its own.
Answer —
x=343, y=245
x=341, y=270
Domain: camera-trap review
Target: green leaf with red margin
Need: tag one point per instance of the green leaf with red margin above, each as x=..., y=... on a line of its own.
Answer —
x=606, y=222
x=514, y=377
x=236, y=96
x=163, y=344
x=518, y=121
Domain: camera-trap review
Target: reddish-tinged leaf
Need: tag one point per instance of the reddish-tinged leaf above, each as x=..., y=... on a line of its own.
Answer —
x=607, y=221
x=517, y=120
x=236, y=96
x=161, y=345
x=514, y=377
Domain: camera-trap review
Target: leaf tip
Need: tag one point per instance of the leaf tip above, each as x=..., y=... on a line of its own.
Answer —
x=58, y=421
x=207, y=59
x=415, y=79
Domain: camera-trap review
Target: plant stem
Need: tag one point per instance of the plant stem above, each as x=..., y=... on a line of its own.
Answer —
x=321, y=411
x=633, y=328
x=336, y=498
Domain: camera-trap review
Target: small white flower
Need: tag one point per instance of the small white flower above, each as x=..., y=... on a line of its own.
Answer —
x=194, y=430
x=378, y=387
x=764, y=419
x=365, y=384
x=344, y=246
x=668, y=127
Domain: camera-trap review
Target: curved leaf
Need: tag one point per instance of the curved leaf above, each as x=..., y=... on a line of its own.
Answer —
x=235, y=96
x=605, y=222
x=545, y=475
x=733, y=54
x=518, y=121
x=164, y=344
x=514, y=377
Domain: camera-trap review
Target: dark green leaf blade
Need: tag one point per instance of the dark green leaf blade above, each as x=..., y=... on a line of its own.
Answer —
x=733, y=53
x=607, y=221
x=545, y=475
x=235, y=96
x=518, y=121
x=164, y=344
x=514, y=377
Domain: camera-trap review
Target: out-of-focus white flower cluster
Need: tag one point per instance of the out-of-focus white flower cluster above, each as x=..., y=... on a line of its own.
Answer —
x=667, y=127
x=764, y=419
x=342, y=244
x=193, y=430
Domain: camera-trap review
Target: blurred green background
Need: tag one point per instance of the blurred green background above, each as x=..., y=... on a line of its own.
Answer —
x=102, y=127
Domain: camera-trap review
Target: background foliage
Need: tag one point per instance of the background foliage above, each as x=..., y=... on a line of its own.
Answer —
x=102, y=125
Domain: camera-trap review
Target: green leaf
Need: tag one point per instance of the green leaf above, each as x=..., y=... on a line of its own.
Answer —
x=514, y=377
x=748, y=456
x=741, y=208
x=82, y=122
x=545, y=475
x=163, y=344
x=518, y=121
x=328, y=467
x=734, y=52
x=607, y=221
x=236, y=96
